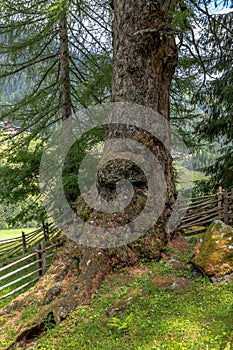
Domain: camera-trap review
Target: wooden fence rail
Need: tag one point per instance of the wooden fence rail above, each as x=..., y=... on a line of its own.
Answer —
x=203, y=210
x=26, y=271
x=13, y=246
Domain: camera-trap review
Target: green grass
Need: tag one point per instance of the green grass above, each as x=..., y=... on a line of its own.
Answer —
x=14, y=233
x=197, y=319
x=15, y=246
x=186, y=176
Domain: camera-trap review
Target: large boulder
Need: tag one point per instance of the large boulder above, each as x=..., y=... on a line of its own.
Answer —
x=214, y=254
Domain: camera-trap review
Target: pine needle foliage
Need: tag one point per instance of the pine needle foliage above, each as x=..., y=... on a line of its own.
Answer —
x=32, y=59
x=201, y=98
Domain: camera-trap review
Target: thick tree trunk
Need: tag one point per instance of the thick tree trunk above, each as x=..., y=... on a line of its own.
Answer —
x=145, y=53
x=144, y=59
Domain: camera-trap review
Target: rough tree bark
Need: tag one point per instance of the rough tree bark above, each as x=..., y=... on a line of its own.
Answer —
x=145, y=53
x=144, y=59
x=66, y=108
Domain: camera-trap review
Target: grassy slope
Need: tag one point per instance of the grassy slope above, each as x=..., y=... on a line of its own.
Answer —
x=197, y=316
x=14, y=233
x=196, y=319
x=186, y=176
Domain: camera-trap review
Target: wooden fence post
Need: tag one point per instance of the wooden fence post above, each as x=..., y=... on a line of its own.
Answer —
x=46, y=231
x=41, y=257
x=230, y=217
x=220, y=203
x=226, y=208
x=24, y=243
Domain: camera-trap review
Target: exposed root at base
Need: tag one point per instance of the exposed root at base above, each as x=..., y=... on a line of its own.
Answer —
x=71, y=281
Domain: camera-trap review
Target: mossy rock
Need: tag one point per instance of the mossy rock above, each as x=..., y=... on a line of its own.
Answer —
x=162, y=281
x=122, y=303
x=214, y=255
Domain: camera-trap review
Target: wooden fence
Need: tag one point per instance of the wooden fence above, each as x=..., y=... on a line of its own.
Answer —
x=201, y=211
x=9, y=247
x=30, y=268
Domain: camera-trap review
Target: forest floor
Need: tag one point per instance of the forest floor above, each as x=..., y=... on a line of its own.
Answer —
x=147, y=307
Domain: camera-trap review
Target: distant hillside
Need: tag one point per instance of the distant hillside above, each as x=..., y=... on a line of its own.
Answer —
x=13, y=87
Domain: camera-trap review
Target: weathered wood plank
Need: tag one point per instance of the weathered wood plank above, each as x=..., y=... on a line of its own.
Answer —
x=200, y=222
x=18, y=270
x=220, y=203
x=195, y=232
x=19, y=288
x=41, y=258
x=17, y=262
x=9, y=241
x=225, y=208
x=192, y=207
x=49, y=255
x=203, y=214
x=207, y=196
x=18, y=280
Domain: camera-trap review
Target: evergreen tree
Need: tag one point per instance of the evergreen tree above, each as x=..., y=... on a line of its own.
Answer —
x=216, y=99
x=145, y=56
x=56, y=49
x=202, y=88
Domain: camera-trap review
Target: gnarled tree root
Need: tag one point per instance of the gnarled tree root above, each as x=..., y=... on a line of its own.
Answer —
x=87, y=267
x=71, y=281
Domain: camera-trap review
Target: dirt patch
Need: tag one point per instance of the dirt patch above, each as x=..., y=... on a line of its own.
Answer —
x=138, y=271
x=178, y=244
